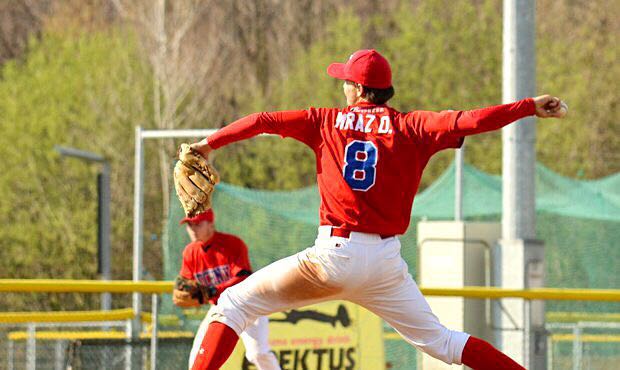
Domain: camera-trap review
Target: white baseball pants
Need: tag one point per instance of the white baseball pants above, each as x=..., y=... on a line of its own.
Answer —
x=364, y=269
x=255, y=338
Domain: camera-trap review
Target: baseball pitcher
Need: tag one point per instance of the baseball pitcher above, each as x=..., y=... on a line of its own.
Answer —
x=369, y=161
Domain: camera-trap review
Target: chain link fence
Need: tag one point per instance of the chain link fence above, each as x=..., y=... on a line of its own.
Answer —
x=579, y=345
x=77, y=346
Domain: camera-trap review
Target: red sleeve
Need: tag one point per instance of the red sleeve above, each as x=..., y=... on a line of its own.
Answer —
x=447, y=128
x=187, y=270
x=302, y=125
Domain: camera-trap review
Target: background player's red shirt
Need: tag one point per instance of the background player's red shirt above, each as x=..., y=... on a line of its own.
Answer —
x=370, y=158
x=217, y=262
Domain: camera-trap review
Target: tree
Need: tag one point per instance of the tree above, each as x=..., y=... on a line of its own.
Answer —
x=18, y=20
x=183, y=57
x=577, y=52
x=62, y=94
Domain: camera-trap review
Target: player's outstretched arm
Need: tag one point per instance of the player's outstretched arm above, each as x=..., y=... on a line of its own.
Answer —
x=477, y=121
x=298, y=124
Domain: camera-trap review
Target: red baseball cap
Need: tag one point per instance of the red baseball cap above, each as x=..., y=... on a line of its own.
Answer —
x=204, y=216
x=366, y=67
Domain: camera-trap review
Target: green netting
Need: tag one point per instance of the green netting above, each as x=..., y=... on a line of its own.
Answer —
x=578, y=220
x=555, y=194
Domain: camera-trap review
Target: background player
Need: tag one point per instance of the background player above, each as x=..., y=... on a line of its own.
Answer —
x=369, y=160
x=212, y=262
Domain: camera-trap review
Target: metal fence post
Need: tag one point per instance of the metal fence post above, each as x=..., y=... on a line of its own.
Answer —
x=31, y=348
x=577, y=347
x=154, y=313
x=11, y=363
x=527, y=331
x=137, y=231
x=128, y=349
x=58, y=355
x=549, y=351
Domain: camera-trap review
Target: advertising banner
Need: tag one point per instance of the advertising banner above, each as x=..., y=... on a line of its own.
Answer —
x=335, y=335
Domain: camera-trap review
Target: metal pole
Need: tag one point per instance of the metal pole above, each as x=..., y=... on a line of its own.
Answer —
x=104, y=232
x=527, y=332
x=137, y=230
x=31, y=348
x=518, y=155
x=138, y=208
x=173, y=134
x=154, y=313
x=458, y=183
x=129, y=345
x=58, y=355
x=104, y=197
x=549, y=352
x=577, y=351
x=82, y=154
x=518, y=245
x=11, y=349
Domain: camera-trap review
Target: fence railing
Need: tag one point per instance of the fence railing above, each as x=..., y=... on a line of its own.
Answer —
x=158, y=287
x=123, y=317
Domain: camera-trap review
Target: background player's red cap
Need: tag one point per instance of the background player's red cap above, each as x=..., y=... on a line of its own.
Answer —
x=205, y=216
x=366, y=67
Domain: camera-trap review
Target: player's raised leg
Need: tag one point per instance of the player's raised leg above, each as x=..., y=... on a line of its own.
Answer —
x=308, y=277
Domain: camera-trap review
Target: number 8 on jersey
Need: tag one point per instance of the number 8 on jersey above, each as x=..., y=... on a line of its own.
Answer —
x=360, y=161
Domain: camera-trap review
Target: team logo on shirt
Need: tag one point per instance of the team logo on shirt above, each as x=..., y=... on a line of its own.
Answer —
x=214, y=276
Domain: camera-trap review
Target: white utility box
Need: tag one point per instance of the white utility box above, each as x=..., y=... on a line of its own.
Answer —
x=455, y=254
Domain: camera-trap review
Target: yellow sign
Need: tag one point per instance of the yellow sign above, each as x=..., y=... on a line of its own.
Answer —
x=335, y=335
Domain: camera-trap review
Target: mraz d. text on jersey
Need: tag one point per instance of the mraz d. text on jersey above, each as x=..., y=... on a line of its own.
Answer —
x=364, y=122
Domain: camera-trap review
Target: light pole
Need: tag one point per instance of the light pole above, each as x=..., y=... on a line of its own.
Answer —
x=521, y=257
x=103, y=187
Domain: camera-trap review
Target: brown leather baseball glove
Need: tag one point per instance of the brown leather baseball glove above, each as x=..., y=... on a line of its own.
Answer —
x=195, y=289
x=194, y=180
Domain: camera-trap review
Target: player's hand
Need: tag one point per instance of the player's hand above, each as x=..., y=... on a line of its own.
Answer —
x=202, y=148
x=183, y=299
x=548, y=106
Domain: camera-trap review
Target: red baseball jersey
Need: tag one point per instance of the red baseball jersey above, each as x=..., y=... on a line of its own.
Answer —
x=370, y=158
x=217, y=262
